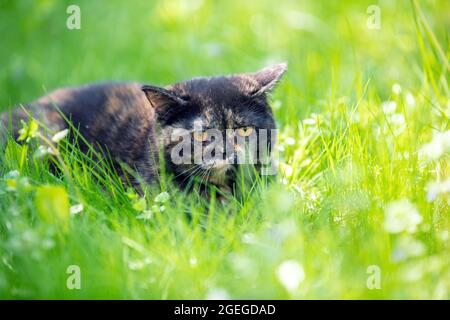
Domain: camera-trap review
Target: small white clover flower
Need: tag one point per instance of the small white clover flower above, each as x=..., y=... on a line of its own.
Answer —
x=396, y=89
x=398, y=123
x=146, y=215
x=389, y=107
x=43, y=151
x=410, y=100
x=310, y=121
x=439, y=145
x=290, y=141
x=401, y=215
x=286, y=169
x=12, y=175
x=163, y=197
x=407, y=247
x=431, y=151
x=217, y=294
x=413, y=273
x=157, y=208
x=291, y=274
x=193, y=261
x=434, y=189
x=60, y=135
x=75, y=209
x=249, y=238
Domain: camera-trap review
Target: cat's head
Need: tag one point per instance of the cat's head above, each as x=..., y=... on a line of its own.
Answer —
x=206, y=123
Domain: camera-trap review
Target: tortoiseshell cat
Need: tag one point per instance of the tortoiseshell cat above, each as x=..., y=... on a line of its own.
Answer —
x=132, y=120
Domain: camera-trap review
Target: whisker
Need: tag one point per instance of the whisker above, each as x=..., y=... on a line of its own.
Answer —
x=197, y=169
x=187, y=170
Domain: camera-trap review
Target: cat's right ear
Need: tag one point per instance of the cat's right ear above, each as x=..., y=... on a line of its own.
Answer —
x=160, y=96
x=163, y=100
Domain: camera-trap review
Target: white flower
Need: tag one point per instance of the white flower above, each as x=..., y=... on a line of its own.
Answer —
x=145, y=215
x=437, y=147
x=434, y=189
x=311, y=121
x=163, y=197
x=290, y=141
x=249, y=238
x=306, y=162
x=409, y=99
x=291, y=274
x=286, y=169
x=412, y=273
x=139, y=264
x=12, y=175
x=217, y=294
x=60, y=135
x=431, y=151
x=193, y=261
x=407, y=247
x=42, y=151
x=396, y=89
x=401, y=216
x=398, y=124
x=157, y=208
x=76, y=209
x=389, y=107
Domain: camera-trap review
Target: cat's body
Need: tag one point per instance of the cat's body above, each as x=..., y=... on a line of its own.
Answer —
x=131, y=121
x=117, y=116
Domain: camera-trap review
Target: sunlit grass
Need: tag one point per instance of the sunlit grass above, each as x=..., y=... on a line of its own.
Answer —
x=364, y=148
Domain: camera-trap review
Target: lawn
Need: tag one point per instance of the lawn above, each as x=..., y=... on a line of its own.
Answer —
x=360, y=205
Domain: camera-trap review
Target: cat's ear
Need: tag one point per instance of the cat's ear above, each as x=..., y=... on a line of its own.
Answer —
x=161, y=96
x=265, y=80
x=163, y=100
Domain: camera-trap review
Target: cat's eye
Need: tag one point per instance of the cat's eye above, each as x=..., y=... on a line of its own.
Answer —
x=200, y=136
x=245, y=131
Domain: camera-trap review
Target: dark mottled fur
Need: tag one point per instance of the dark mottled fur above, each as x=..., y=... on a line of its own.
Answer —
x=131, y=120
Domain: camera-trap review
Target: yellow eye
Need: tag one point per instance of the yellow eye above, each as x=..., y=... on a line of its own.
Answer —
x=245, y=131
x=200, y=136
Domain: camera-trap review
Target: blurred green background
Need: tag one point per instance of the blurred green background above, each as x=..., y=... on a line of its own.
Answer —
x=358, y=111
x=327, y=44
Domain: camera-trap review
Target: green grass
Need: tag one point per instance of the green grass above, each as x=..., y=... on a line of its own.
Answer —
x=347, y=161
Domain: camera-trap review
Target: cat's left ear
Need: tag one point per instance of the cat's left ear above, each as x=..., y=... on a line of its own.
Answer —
x=266, y=79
